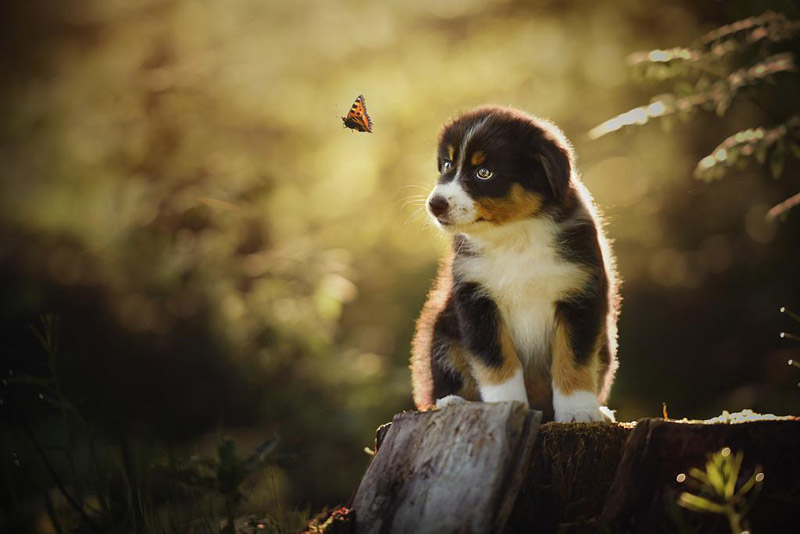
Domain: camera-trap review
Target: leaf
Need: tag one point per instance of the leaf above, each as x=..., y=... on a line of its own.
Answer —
x=747, y=486
x=734, y=465
x=761, y=152
x=741, y=163
x=723, y=104
x=684, y=88
x=699, y=504
x=733, y=156
x=31, y=380
x=260, y=454
x=795, y=149
x=209, y=463
x=226, y=451
x=777, y=161
x=668, y=124
x=700, y=476
x=715, y=477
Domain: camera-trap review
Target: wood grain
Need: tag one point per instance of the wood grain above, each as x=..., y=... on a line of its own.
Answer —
x=458, y=469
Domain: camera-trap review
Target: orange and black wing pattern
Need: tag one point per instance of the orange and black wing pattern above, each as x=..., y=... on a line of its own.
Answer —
x=357, y=118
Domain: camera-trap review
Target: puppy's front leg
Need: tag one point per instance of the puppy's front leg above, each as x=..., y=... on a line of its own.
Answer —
x=575, y=361
x=492, y=356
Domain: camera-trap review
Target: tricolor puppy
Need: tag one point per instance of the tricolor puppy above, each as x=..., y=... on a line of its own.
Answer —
x=525, y=306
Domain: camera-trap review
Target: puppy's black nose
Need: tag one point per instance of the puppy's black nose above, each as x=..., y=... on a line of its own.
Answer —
x=438, y=205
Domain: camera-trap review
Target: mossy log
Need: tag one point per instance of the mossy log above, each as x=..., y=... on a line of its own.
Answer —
x=458, y=469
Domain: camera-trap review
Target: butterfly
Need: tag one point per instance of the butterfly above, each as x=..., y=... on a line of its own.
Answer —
x=357, y=118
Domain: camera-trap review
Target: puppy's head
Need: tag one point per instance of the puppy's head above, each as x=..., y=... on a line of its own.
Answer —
x=496, y=166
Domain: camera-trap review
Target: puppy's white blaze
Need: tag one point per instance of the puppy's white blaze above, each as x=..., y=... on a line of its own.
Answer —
x=519, y=266
x=462, y=208
x=578, y=407
x=512, y=389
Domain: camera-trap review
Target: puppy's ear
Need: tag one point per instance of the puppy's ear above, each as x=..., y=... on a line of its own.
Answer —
x=556, y=164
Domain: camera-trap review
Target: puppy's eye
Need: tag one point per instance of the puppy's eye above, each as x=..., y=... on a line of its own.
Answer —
x=447, y=165
x=483, y=173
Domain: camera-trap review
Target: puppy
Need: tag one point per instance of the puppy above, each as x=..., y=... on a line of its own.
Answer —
x=524, y=308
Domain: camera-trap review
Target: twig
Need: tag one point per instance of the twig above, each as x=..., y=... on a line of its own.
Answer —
x=784, y=206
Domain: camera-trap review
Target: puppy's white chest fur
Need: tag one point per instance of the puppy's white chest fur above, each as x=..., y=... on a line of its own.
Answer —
x=519, y=267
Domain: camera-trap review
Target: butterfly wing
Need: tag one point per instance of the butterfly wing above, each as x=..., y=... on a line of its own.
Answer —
x=358, y=118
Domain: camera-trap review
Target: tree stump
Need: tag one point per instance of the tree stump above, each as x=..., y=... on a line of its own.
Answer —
x=458, y=469
x=572, y=468
x=464, y=468
x=643, y=497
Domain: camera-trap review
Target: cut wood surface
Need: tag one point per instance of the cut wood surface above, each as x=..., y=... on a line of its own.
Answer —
x=458, y=469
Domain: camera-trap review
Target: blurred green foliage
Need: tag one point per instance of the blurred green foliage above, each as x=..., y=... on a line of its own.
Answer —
x=226, y=474
x=718, y=490
x=711, y=75
x=96, y=485
x=176, y=186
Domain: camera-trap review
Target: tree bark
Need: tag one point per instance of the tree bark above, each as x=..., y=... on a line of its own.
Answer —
x=643, y=496
x=458, y=469
x=464, y=468
x=572, y=467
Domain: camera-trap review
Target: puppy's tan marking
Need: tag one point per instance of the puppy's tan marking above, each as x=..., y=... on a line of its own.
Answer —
x=451, y=151
x=511, y=363
x=568, y=375
x=518, y=204
x=477, y=158
x=539, y=387
x=469, y=388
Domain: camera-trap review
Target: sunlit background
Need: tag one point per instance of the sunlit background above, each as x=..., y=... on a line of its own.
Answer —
x=221, y=255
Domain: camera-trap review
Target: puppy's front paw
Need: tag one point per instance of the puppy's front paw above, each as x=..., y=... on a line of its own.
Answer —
x=449, y=400
x=580, y=416
x=577, y=407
